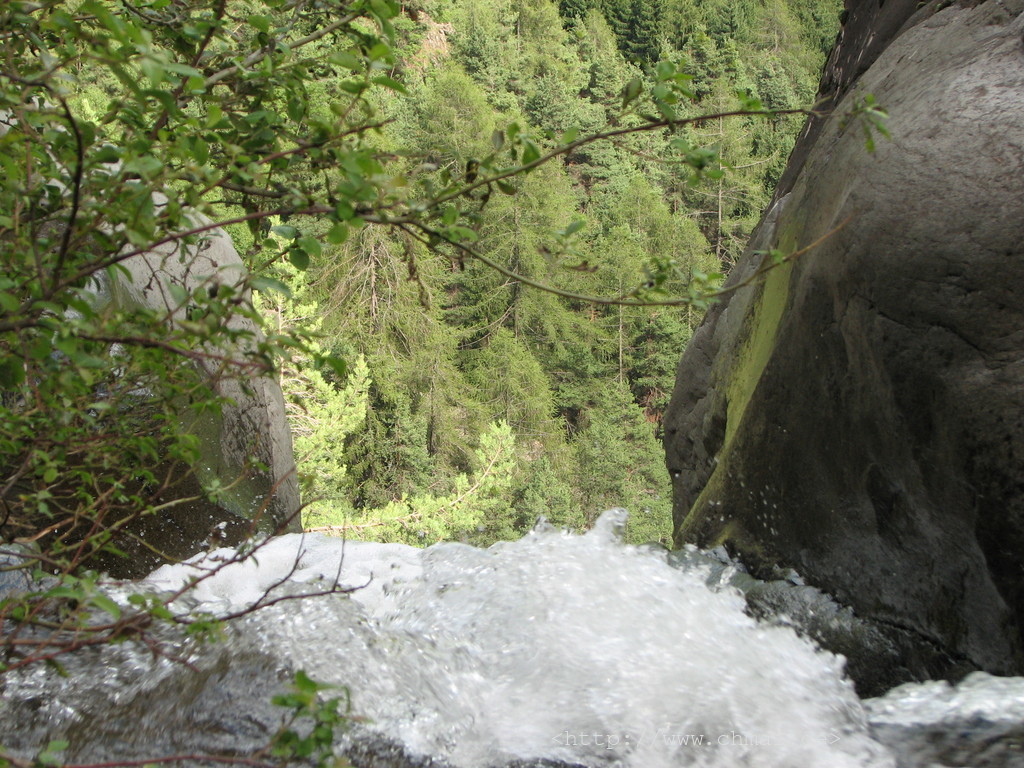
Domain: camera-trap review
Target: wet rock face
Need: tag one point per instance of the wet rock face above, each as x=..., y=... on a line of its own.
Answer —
x=859, y=414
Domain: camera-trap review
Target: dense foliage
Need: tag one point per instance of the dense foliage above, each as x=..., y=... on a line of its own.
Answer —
x=494, y=216
x=478, y=235
x=141, y=125
x=467, y=366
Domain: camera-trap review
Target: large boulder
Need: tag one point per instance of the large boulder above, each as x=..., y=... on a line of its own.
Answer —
x=858, y=413
x=246, y=447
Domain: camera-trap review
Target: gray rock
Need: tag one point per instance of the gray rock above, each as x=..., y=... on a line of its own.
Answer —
x=254, y=427
x=875, y=653
x=858, y=414
x=16, y=562
x=247, y=447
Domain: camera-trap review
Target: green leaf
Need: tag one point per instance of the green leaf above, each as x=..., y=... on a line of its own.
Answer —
x=631, y=91
x=182, y=69
x=106, y=604
x=107, y=154
x=179, y=294
x=304, y=683
x=379, y=52
x=40, y=348
x=285, y=231
x=531, y=152
x=270, y=285
x=667, y=113
x=336, y=364
x=869, y=139
x=145, y=167
x=200, y=151
x=261, y=23
x=390, y=83
x=12, y=372
x=355, y=87
x=88, y=131
x=296, y=108
x=338, y=234
x=345, y=59
x=311, y=246
x=344, y=211
x=153, y=71
x=214, y=114
x=50, y=756
x=299, y=259
x=9, y=303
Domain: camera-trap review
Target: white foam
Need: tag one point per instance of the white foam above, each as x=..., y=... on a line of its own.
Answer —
x=980, y=697
x=576, y=648
x=228, y=583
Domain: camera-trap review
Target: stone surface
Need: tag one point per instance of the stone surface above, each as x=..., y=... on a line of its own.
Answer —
x=251, y=430
x=16, y=561
x=858, y=414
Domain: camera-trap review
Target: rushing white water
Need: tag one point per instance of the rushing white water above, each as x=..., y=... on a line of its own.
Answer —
x=978, y=722
x=560, y=646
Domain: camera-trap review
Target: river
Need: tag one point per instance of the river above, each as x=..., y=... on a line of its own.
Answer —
x=571, y=649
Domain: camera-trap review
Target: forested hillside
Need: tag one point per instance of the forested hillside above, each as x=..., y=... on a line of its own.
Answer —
x=473, y=402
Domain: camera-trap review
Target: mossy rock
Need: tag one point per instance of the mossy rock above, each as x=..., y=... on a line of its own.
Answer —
x=860, y=416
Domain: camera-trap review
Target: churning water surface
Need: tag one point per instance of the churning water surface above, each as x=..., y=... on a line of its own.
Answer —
x=559, y=647
x=570, y=647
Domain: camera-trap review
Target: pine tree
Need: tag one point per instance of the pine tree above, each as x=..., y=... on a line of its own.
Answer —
x=575, y=9
x=453, y=346
x=621, y=459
